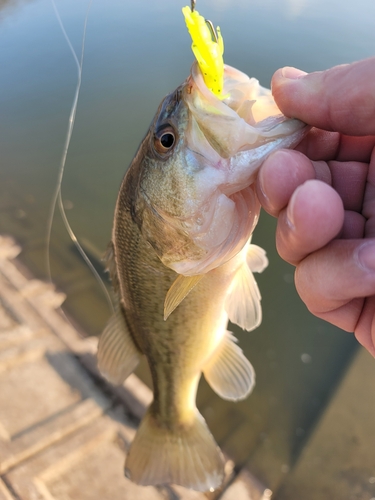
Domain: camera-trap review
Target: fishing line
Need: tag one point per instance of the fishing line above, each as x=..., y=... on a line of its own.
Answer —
x=57, y=198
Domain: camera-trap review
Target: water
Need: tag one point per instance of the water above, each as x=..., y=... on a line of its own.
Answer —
x=136, y=52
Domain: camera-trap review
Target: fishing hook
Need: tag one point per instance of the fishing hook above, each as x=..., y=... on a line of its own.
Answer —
x=193, y=2
x=212, y=29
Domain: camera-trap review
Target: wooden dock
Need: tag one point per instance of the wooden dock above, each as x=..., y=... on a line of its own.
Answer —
x=64, y=432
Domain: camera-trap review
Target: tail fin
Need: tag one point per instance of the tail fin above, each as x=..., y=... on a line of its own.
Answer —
x=187, y=455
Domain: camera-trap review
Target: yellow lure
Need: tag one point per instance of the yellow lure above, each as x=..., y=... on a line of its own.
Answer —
x=208, y=52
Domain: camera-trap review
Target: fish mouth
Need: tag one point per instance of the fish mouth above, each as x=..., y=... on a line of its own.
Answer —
x=244, y=119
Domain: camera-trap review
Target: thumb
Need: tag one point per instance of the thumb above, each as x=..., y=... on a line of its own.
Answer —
x=341, y=99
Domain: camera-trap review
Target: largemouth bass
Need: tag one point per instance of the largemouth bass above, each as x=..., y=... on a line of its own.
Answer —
x=181, y=263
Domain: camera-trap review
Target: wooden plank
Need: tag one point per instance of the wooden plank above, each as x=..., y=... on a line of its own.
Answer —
x=61, y=472
x=11, y=337
x=33, y=301
x=17, y=307
x=41, y=436
x=44, y=395
x=4, y=492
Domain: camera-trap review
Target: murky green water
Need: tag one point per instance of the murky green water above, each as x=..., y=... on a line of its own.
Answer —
x=136, y=52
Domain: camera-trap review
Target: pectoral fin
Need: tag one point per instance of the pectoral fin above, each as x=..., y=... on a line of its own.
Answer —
x=118, y=356
x=180, y=288
x=243, y=302
x=229, y=372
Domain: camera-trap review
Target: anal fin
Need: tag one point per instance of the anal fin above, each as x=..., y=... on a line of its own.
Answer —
x=117, y=354
x=229, y=372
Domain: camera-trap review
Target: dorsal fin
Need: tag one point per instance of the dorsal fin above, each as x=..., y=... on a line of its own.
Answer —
x=180, y=288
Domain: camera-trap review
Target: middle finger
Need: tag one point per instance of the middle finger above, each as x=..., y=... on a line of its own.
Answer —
x=313, y=217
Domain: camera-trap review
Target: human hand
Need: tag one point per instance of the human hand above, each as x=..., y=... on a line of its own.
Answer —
x=323, y=193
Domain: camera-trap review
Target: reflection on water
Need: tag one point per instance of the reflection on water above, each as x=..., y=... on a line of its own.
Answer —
x=134, y=56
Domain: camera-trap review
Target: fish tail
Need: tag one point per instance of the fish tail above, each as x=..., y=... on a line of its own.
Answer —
x=187, y=455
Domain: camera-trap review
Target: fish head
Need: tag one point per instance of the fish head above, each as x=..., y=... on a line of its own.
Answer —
x=193, y=176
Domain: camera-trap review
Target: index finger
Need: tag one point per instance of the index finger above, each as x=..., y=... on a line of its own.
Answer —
x=340, y=99
x=320, y=144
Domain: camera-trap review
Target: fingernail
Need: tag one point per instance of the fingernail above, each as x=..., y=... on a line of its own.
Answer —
x=261, y=185
x=292, y=73
x=290, y=210
x=366, y=256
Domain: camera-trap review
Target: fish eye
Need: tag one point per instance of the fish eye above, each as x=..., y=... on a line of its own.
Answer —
x=167, y=140
x=164, y=141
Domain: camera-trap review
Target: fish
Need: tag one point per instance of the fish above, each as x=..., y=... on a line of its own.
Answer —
x=182, y=262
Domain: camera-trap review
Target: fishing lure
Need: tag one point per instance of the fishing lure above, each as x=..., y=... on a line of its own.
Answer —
x=208, y=48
